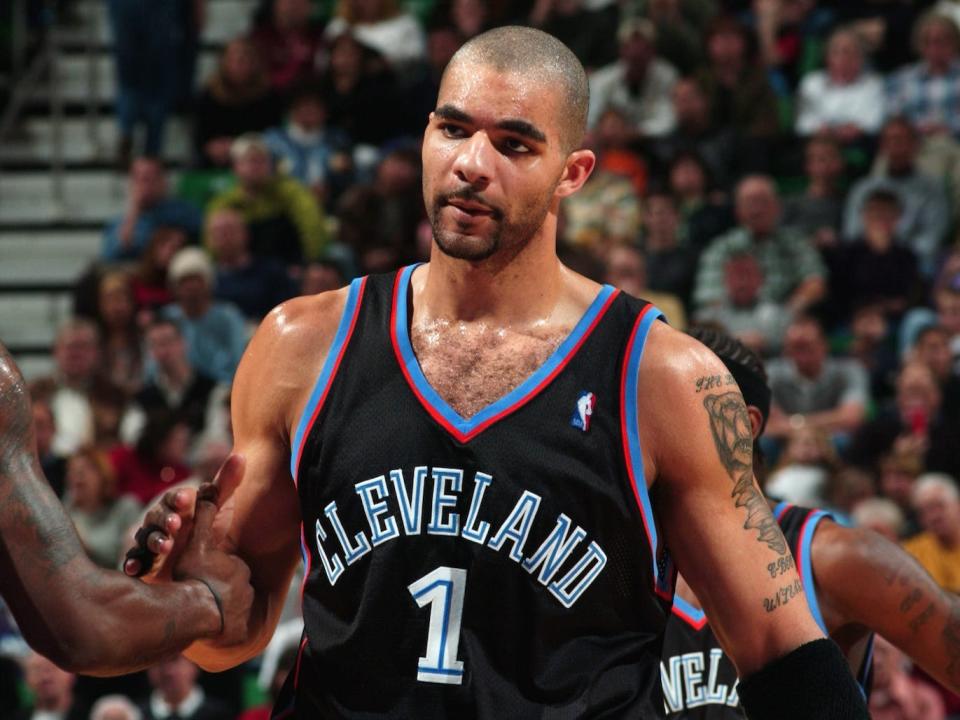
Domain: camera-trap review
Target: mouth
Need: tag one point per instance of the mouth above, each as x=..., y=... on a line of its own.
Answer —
x=470, y=207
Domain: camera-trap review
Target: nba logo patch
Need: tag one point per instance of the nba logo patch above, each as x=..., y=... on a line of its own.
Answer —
x=584, y=411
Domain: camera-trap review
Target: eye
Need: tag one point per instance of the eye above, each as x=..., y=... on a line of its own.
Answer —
x=452, y=131
x=516, y=146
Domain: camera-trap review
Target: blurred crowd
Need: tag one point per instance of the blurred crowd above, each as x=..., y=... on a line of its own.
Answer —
x=784, y=170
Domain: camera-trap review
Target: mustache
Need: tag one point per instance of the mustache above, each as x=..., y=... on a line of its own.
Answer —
x=469, y=195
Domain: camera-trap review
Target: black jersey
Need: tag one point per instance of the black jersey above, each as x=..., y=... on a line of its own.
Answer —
x=501, y=566
x=699, y=681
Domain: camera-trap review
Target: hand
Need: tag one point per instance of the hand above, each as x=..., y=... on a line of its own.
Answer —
x=16, y=416
x=226, y=576
x=157, y=551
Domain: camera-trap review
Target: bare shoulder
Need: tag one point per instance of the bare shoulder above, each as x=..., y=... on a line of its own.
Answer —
x=680, y=367
x=286, y=354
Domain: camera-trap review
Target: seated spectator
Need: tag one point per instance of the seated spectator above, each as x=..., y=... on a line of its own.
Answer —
x=880, y=515
x=53, y=464
x=680, y=25
x=945, y=313
x=792, y=269
x=759, y=324
x=176, y=387
x=382, y=26
x=52, y=691
x=150, y=289
x=704, y=210
x=321, y=276
x=289, y=43
x=588, y=29
x=157, y=461
x=119, y=333
x=803, y=472
x=925, y=212
x=845, y=100
x=639, y=84
x=896, y=693
x=873, y=267
x=818, y=212
x=215, y=331
x=848, y=487
x=115, y=707
x=927, y=93
x=788, y=34
x=737, y=88
x=102, y=516
x=626, y=269
x=177, y=694
x=913, y=424
x=932, y=348
x=899, y=471
x=310, y=151
x=148, y=206
x=468, y=17
x=671, y=263
x=937, y=502
x=282, y=215
x=254, y=284
x=872, y=345
x=237, y=99
x=810, y=388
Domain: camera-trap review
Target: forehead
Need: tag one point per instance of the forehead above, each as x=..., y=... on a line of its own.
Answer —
x=490, y=95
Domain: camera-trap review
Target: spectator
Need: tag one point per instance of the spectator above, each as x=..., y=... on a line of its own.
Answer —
x=237, y=99
x=148, y=206
x=848, y=487
x=157, y=461
x=925, y=212
x=119, y=333
x=115, y=707
x=873, y=268
x=914, y=424
x=150, y=289
x=177, y=694
x=588, y=29
x=896, y=694
x=736, y=86
x=759, y=324
x=704, y=210
x=101, y=516
x=932, y=348
x=394, y=35
x=898, y=473
x=175, y=387
x=792, y=269
x=639, y=84
x=810, y=388
x=671, y=263
x=284, y=666
x=626, y=270
x=53, y=464
x=254, y=285
x=52, y=690
x=804, y=469
x=845, y=100
x=321, y=276
x=289, y=44
x=880, y=515
x=284, y=219
x=946, y=314
x=679, y=25
x=818, y=212
x=309, y=151
x=927, y=93
x=937, y=501
x=214, y=331
x=871, y=343
x=147, y=40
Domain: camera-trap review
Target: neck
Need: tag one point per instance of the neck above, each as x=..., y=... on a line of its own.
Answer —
x=196, y=308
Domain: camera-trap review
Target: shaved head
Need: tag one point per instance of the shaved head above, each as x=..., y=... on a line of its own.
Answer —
x=540, y=56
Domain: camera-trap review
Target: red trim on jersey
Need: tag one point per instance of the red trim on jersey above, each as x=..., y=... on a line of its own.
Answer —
x=438, y=416
x=695, y=624
x=783, y=511
x=333, y=375
x=296, y=670
x=309, y=564
x=800, y=536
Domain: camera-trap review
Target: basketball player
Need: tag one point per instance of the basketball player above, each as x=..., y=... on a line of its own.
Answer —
x=857, y=583
x=84, y=618
x=477, y=544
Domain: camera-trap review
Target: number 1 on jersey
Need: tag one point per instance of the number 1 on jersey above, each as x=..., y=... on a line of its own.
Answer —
x=443, y=589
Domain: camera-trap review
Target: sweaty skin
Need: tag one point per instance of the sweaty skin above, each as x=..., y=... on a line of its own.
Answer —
x=84, y=618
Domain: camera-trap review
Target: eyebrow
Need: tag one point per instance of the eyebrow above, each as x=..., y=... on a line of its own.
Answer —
x=518, y=127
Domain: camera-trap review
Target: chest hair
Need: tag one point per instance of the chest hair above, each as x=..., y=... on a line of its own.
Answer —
x=472, y=365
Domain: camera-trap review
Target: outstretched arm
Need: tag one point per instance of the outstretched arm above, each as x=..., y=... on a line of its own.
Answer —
x=864, y=579
x=82, y=617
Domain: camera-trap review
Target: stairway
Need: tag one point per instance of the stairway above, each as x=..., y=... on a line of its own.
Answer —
x=48, y=239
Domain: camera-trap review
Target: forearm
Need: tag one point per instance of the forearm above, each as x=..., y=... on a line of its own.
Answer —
x=212, y=657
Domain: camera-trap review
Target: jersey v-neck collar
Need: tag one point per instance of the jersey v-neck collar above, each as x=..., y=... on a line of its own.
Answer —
x=465, y=429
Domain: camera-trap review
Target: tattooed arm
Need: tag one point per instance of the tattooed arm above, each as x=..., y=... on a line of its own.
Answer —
x=83, y=617
x=696, y=439
x=865, y=581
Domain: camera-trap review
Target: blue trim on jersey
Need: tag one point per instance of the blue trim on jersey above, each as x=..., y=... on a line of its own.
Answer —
x=780, y=508
x=694, y=613
x=633, y=432
x=465, y=426
x=343, y=329
x=806, y=569
x=866, y=667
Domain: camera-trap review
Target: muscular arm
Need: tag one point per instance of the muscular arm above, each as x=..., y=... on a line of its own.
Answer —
x=82, y=617
x=262, y=516
x=697, y=445
x=864, y=580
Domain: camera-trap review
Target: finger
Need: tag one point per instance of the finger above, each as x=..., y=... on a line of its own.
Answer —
x=204, y=513
x=158, y=543
x=138, y=562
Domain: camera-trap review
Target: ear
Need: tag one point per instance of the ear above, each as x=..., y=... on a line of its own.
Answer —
x=579, y=165
x=756, y=420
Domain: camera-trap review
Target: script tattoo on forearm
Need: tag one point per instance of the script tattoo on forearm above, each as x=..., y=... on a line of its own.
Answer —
x=711, y=382
x=733, y=437
x=783, y=596
x=920, y=620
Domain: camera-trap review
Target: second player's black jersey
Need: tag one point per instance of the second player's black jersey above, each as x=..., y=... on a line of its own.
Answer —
x=699, y=681
x=502, y=566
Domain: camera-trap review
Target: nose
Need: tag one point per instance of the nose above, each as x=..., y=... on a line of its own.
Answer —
x=474, y=162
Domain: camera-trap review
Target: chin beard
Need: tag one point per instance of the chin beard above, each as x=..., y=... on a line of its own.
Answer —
x=465, y=247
